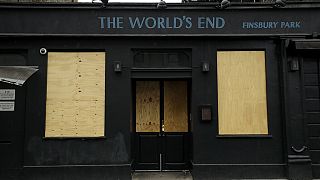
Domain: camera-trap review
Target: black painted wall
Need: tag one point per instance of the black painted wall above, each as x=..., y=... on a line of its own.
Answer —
x=113, y=152
x=40, y=154
x=12, y=124
x=232, y=156
x=25, y=154
x=235, y=150
x=310, y=79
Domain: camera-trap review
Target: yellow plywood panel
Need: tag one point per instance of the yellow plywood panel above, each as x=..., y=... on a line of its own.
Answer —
x=175, y=106
x=94, y=112
x=242, y=105
x=59, y=118
x=147, y=106
x=61, y=74
x=75, y=94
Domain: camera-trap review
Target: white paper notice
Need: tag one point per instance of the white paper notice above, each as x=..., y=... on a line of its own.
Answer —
x=7, y=94
x=6, y=106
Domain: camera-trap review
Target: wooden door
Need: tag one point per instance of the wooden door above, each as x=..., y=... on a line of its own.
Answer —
x=161, y=125
x=147, y=125
x=175, y=125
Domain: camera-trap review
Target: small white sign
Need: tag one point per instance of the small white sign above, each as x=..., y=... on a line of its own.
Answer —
x=7, y=94
x=6, y=106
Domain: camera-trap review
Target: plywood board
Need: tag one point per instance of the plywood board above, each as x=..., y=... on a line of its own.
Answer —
x=175, y=106
x=147, y=106
x=242, y=104
x=75, y=94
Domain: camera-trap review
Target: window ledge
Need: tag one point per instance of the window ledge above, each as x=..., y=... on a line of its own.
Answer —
x=245, y=136
x=75, y=138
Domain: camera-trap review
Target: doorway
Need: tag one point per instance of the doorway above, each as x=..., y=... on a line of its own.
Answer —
x=161, y=125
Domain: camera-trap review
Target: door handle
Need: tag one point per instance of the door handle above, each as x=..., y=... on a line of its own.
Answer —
x=162, y=127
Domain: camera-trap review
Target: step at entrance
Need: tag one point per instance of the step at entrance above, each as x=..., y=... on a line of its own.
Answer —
x=183, y=175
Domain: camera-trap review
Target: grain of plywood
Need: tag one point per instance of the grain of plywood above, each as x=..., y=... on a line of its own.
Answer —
x=75, y=96
x=242, y=105
x=175, y=106
x=147, y=106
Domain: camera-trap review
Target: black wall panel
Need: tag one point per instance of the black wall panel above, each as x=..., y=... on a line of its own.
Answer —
x=12, y=122
x=311, y=84
x=115, y=148
x=209, y=148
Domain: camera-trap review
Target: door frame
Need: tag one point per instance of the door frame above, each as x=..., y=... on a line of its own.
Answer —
x=134, y=139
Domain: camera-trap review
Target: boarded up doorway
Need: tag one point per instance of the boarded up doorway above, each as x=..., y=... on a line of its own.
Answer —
x=161, y=125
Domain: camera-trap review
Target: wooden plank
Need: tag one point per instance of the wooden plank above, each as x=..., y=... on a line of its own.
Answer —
x=313, y=117
x=61, y=75
x=175, y=106
x=315, y=156
x=312, y=105
x=314, y=130
x=311, y=79
x=147, y=106
x=312, y=92
x=75, y=96
x=310, y=65
x=89, y=68
x=242, y=106
x=314, y=143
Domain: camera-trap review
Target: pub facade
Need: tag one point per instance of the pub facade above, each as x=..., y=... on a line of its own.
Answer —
x=98, y=91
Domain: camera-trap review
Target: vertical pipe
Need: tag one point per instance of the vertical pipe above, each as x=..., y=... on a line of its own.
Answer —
x=160, y=162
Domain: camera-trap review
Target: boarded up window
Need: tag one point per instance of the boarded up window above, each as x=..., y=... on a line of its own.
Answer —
x=175, y=106
x=242, y=106
x=75, y=94
x=147, y=106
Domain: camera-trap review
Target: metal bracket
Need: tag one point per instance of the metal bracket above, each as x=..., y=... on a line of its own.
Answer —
x=299, y=150
x=294, y=65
